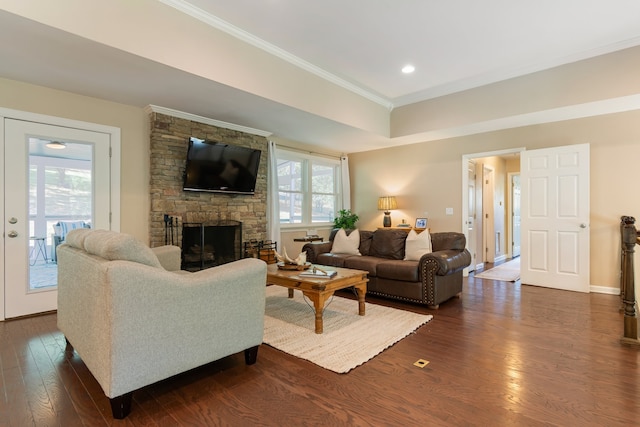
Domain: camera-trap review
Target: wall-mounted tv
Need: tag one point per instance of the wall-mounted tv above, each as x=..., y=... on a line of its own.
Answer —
x=222, y=168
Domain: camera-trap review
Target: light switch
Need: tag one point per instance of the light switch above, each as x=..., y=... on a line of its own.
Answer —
x=449, y=211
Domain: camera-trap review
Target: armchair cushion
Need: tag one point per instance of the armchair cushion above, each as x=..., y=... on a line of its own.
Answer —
x=112, y=245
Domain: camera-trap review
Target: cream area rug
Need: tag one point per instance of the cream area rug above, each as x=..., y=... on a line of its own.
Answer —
x=349, y=340
x=507, y=272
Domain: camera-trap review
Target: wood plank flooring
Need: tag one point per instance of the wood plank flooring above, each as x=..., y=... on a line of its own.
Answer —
x=504, y=354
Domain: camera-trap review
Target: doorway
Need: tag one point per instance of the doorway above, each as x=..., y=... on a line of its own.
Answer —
x=490, y=237
x=55, y=171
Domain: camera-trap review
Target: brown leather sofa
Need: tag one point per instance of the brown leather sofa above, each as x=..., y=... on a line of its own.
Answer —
x=435, y=278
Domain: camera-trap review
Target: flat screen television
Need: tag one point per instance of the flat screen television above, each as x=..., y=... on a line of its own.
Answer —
x=221, y=168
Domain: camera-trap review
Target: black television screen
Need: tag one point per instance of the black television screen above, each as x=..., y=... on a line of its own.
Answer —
x=218, y=167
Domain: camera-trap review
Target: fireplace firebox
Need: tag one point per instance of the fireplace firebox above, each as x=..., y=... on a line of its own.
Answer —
x=206, y=245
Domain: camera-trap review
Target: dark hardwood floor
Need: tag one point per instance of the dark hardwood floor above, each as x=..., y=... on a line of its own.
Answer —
x=504, y=354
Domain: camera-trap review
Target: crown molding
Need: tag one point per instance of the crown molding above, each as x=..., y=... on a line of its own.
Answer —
x=215, y=22
x=200, y=119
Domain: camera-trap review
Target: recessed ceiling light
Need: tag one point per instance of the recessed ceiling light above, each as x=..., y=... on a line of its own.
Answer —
x=56, y=145
x=408, y=69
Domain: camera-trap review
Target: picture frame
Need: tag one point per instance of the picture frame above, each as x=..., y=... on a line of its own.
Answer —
x=421, y=223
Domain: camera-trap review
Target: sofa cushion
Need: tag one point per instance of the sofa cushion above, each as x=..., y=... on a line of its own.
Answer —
x=416, y=245
x=388, y=244
x=343, y=244
x=448, y=240
x=366, y=263
x=112, y=245
x=407, y=271
x=333, y=260
x=365, y=242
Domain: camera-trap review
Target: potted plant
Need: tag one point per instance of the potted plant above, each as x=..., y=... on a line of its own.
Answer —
x=346, y=219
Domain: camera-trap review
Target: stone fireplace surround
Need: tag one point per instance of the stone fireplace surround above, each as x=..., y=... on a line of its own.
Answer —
x=168, y=152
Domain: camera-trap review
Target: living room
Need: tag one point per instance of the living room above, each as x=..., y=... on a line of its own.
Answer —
x=587, y=101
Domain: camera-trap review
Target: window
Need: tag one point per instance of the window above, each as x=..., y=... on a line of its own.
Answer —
x=309, y=189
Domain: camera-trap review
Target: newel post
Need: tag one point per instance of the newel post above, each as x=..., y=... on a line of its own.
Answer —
x=627, y=281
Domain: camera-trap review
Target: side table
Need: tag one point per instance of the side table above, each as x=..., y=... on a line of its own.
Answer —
x=39, y=247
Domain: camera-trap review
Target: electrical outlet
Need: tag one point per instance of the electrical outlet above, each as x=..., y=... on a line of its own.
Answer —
x=449, y=211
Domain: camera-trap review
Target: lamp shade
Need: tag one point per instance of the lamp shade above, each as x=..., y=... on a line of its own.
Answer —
x=387, y=203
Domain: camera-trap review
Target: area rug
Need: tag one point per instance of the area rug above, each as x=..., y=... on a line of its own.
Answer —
x=507, y=272
x=348, y=341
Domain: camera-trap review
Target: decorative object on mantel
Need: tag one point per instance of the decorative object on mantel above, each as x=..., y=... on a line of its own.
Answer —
x=387, y=204
x=346, y=219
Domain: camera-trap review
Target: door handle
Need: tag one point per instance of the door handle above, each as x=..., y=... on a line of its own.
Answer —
x=583, y=225
x=13, y=220
x=13, y=234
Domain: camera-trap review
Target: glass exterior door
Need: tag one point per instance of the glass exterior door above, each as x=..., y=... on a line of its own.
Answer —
x=54, y=177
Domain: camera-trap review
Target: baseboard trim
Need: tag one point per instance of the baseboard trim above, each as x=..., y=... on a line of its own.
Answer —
x=604, y=290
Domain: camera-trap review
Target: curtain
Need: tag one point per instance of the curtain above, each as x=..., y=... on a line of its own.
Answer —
x=346, y=184
x=273, y=203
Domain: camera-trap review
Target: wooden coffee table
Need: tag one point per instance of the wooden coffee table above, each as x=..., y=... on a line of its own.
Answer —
x=319, y=290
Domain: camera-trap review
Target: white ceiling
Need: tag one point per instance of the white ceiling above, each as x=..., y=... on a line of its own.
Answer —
x=454, y=45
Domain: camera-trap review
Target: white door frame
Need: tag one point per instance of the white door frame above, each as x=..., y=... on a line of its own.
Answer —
x=465, y=183
x=510, y=176
x=114, y=190
x=489, y=250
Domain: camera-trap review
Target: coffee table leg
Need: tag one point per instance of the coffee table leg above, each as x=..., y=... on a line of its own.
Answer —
x=318, y=305
x=362, y=291
x=290, y=292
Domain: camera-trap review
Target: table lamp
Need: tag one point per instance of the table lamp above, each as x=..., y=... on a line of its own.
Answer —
x=386, y=204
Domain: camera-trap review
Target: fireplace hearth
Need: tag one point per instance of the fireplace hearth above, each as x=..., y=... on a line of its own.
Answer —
x=206, y=245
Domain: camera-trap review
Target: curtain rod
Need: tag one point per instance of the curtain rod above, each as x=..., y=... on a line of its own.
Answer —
x=310, y=152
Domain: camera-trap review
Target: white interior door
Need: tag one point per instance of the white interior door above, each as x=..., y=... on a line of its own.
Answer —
x=488, y=220
x=30, y=199
x=471, y=214
x=555, y=217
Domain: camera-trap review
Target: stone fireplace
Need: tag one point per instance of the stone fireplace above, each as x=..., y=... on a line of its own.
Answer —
x=168, y=150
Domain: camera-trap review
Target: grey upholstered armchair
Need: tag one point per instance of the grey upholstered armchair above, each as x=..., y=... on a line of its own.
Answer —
x=134, y=320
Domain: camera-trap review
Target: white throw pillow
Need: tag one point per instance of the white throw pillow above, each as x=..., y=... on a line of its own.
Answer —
x=346, y=245
x=416, y=245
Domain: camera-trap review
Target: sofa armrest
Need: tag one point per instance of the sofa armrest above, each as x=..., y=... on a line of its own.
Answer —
x=313, y=249
x=446, y=261
x=169, y=257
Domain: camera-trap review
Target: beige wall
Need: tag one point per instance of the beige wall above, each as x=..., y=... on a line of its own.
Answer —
x=428, y=177
x=591, y=80
x=134, y=125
